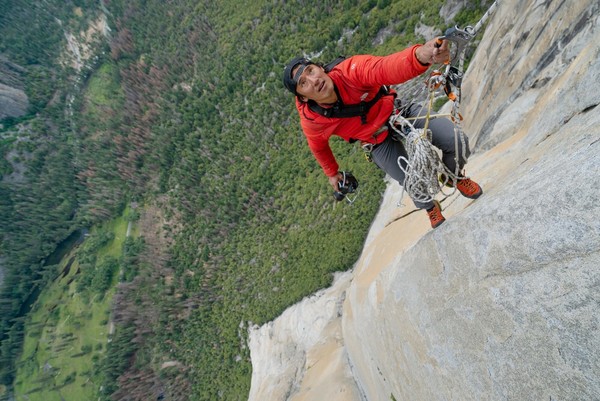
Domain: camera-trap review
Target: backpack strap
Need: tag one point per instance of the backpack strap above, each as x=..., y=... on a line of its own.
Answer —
x=341, y=110
x=329, y=66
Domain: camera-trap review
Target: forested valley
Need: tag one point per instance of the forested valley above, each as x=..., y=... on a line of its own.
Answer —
x=170, y=117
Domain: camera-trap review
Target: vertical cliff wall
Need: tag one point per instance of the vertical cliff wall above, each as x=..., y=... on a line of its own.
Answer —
x=500, y=302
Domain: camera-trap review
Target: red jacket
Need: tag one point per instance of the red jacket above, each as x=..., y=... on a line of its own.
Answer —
x=358, y=79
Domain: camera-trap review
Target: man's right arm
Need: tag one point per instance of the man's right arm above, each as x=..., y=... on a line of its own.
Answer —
x=324, y=156
x=326, y=159
x=319, y=146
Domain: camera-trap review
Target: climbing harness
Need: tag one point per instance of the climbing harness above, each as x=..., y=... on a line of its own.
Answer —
x=368, y=147
x=425, y=174
x=341, y=110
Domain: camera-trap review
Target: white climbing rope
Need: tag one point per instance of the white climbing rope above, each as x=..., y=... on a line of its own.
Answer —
x=485, y=16
x=423, y=167
x=422, y=164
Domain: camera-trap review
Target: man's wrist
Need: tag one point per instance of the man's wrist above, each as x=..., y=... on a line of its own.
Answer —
x=418, y=58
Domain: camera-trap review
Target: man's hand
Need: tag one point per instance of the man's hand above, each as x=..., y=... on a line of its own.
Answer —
x=432, y=52
x=334, y=179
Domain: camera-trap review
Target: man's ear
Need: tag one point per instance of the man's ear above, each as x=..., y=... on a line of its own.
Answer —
x=303, y=99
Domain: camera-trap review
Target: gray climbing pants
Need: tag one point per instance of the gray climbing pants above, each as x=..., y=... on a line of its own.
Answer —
x=386, y=154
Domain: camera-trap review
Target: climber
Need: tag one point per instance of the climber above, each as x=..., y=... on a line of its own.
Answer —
x=348, y=98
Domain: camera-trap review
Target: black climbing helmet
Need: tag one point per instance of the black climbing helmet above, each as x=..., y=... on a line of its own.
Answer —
x=290, y=81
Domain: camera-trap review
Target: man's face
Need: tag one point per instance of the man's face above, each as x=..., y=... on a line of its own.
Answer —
x=315, y=84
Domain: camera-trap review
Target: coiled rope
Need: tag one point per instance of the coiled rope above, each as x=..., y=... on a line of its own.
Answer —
x=424, y=172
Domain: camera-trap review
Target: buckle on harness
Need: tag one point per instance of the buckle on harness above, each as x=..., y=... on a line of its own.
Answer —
x=368, y=149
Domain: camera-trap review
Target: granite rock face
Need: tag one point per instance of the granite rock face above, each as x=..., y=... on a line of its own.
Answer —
x=500, y=302
x=13, y=100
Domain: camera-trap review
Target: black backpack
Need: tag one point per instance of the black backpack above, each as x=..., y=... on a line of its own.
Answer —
x=341, y=110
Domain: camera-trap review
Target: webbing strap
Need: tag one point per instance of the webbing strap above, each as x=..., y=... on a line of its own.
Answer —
x=341, y=110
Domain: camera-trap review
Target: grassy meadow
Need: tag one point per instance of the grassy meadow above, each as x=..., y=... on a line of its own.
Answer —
x=68, y=330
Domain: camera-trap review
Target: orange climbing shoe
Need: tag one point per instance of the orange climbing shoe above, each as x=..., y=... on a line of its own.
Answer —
x=469, y=188
x=435, y=214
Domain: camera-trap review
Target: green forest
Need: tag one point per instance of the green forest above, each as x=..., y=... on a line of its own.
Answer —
x=159, y=135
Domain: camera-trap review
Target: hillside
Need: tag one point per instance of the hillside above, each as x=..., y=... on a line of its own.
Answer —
x=500, y=302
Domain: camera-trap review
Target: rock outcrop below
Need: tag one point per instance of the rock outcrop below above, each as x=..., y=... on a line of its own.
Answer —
x=501, y=301
x=13, y=100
